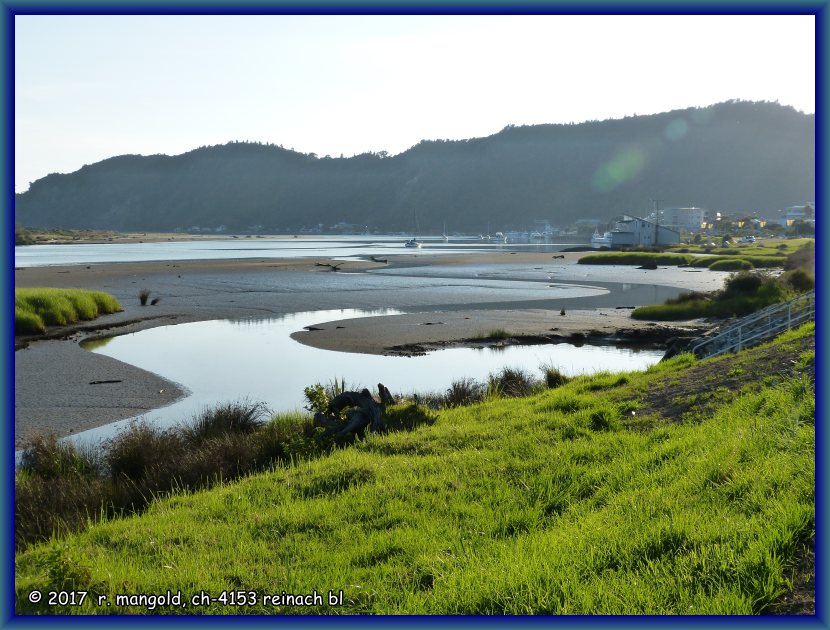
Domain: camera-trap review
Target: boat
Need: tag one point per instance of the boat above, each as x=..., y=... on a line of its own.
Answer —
x=500, y=237
x=603, y=240
x=413, y=243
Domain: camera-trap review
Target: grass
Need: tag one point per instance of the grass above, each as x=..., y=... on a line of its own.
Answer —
x=770, y=254
x=635, y=258
x=37, y=308
x=61, y=489
x=744, y=292
x=551, y=504
x=497, y=334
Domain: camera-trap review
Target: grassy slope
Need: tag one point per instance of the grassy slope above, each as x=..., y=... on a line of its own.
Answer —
x=559, y=503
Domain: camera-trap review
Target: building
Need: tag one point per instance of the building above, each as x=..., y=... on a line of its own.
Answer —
x=630, y=231
x=804, y=213
x=689, y=219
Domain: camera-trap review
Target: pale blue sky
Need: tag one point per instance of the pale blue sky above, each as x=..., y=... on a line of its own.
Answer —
x=90, y=87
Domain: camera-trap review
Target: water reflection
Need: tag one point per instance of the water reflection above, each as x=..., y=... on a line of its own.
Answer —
x=223, y=360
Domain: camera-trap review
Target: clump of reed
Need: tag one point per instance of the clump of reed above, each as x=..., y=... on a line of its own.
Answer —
x=37, y=308
x=512, y=383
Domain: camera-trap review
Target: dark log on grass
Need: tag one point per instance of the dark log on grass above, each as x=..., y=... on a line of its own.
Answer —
x=361, y=412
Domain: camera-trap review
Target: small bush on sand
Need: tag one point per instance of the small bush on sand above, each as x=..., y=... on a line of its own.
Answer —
x=143, y=295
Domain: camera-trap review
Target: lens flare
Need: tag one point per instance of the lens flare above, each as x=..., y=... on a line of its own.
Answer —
x=623, y=167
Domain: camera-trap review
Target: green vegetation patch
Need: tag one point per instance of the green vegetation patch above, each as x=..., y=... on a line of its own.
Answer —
x=36, y=308
x=744, y=292
x=760, y=262
x=635, y=258
x=551, y=504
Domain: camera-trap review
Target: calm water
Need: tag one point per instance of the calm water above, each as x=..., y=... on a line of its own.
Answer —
x=222, y=361
x=341, y=247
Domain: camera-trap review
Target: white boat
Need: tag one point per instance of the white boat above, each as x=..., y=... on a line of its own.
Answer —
x=500, y=238
x=603, y=240
x=413, y=243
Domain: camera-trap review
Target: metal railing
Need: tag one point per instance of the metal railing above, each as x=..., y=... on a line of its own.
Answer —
x=759, y=326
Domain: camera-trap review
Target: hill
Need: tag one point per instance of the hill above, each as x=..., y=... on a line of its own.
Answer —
x=736, y=157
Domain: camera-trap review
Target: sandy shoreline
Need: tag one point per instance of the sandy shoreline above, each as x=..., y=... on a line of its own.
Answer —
x=58, y=385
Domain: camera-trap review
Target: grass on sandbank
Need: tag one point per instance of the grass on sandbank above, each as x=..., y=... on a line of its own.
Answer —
x=565, y=502
x=37, y=308
x=744, y=292
x=769, y=255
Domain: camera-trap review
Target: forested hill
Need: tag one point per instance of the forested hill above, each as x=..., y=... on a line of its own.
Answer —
x=733, y=157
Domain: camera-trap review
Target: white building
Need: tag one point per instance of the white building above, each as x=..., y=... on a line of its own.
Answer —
x=683, y=218
x=633, y=231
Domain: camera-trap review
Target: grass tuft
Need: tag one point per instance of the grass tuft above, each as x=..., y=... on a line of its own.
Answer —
x=37, y=308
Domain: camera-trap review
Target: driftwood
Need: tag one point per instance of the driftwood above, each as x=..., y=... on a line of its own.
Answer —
x=379, y=260
x=360, y=409
x=330, y=266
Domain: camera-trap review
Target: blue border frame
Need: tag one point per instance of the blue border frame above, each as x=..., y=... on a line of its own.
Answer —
x=10, y=8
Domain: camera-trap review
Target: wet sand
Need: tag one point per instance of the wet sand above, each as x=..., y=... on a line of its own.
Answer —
x=447, y=299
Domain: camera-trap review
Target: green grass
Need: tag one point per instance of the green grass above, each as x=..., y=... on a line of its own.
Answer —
x=37, y=308
x=635, y=258
x=768, y=247
x=551, y=504
x=758, y=262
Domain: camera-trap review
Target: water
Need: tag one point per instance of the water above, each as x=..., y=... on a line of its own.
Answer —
x=228, y=360
x=339, y=248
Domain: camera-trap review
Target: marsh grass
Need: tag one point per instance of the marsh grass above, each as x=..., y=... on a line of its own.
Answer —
x=636, y=258
x=744, y=292
x=496, y=334
x=549, y=504
x=37, y=308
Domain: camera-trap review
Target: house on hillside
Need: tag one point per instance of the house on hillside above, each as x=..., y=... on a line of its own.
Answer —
x=631, y=231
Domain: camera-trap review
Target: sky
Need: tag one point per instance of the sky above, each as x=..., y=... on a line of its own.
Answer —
x=91, y=87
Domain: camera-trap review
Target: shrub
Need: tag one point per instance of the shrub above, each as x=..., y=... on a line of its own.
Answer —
x=465, y=391
x=800, y=280
x=230, y=418
x=554, y=377
x=742, y=283
x=142, y=452
x=803, y=258
x=512, y=383
x=50, y=458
